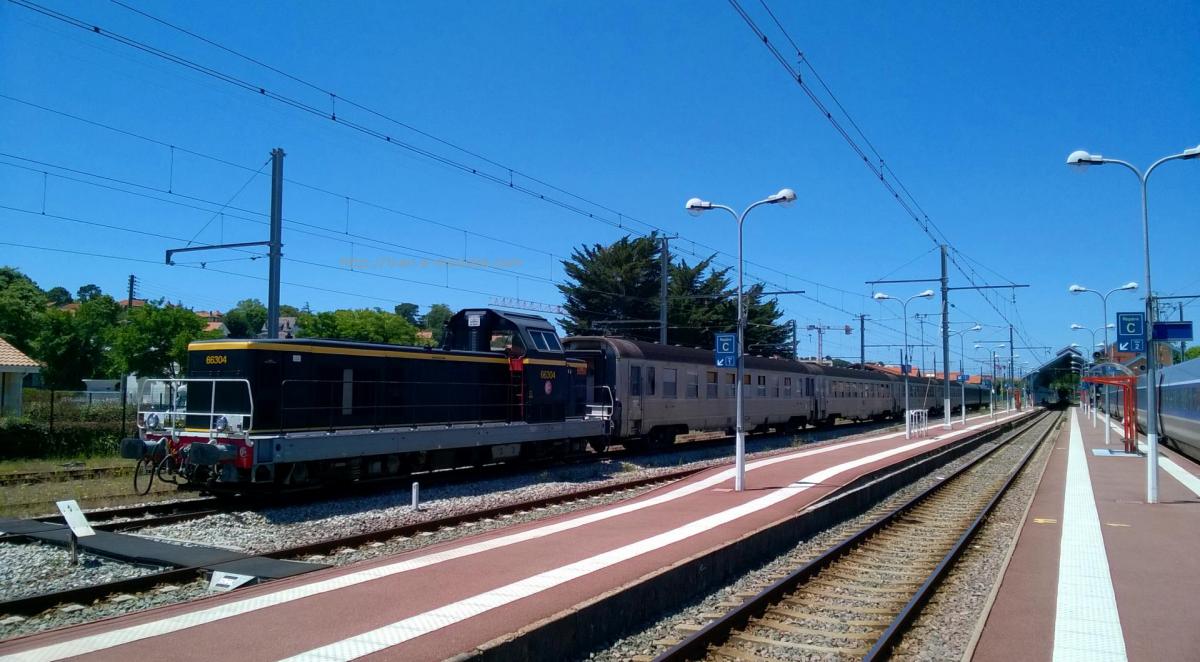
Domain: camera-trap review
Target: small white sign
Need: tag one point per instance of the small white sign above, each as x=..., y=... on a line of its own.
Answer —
x=75, y=518
x=472, y=320
x=227, y=581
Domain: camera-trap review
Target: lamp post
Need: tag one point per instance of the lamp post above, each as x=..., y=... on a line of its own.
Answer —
x=1080, y=327
x=880, y=296
x=962, y=353
x=1083, y=159
x=1079, y=289
x=991, y=389
x=695, y=207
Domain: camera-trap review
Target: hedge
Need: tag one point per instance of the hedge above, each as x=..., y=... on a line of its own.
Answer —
x=22, y=438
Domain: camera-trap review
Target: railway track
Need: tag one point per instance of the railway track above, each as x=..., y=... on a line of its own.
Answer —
x=84, y=595
x=857, y=599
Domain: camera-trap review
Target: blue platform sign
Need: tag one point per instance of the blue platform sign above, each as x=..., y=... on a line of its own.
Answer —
x=1131, y=332
x=1172, y=331
x=962, y=377
x=726, y=350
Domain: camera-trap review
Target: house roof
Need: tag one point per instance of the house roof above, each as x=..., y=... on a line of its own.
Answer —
x=11, y=357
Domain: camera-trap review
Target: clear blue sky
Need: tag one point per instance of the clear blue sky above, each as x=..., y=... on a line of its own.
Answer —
x=634, y=105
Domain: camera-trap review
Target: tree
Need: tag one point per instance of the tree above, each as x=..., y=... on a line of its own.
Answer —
x=89, y=291
x=153, y=342
x=288, y=311
x=246, y=319
x=367, y=325
x=59, y=296
x=1192, y=352
x=22, y=308
x=410, y=312
x=615, y=282
x=73, y=346
x=435, y=321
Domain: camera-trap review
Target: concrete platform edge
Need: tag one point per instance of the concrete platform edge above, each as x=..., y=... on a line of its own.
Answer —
x=617, y=612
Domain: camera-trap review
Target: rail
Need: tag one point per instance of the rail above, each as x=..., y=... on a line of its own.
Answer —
x=164, y=407
x=700, y=643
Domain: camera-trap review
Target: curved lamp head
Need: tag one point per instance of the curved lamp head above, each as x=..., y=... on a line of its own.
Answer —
x=696, y=206
x=1128, y=286
x=1110, y=325
x=880, y=296
x=926, y=294
x=785, y=196
x=1075, y=345
x=1081, y=159
x=977, y=327
x=1076, y=327
x=1191, y=153
x=1074, y=289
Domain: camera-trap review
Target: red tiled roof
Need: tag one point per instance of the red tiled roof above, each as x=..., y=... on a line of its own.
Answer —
x=11, y=357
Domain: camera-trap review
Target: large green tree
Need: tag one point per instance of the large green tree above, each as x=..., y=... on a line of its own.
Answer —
x=410, y=312
x=153, y=341
x=74, y=346
x=368, y=325
x=610, y=286
x=246, y=319
x=59, y=296
x=22, y=308
x=615, y=289
x=435, y=321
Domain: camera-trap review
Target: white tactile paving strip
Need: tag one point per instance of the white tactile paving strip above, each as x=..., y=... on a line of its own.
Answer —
x=1188, y=479
x=1087, y=627
x=407, y=629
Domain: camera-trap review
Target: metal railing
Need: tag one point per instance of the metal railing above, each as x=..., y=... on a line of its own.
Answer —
x=600, y=410
x=918, y=422
x=164, y=406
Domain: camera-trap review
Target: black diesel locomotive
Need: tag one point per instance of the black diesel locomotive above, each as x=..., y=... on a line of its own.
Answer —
x=290, y=411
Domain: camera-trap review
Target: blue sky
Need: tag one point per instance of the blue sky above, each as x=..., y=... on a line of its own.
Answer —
x=635, y=106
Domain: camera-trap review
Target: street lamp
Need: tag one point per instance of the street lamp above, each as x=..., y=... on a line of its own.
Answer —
x=880, y=296
x=962, y=353
x=695, y=207
x=1083, y=159
x=992, y=388
x=1079, y=289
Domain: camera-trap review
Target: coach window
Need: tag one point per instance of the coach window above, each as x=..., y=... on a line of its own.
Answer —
x=762, y=386
x=710, y=388
x=731, y=384
x=787, y=387
x=635, y=380
x=775, y=389
x=649, y=380
x=670, y=375
x=693, y=385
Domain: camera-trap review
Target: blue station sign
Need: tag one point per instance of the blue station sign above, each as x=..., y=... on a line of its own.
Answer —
x=1172, y=331
x=725, y=350
x=1131, y=332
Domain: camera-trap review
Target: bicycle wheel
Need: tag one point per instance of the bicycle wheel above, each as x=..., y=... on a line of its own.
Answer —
x=143, y=476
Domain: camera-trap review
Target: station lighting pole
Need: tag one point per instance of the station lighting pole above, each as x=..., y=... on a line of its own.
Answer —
x=1082, y=159
x=1079, y=289
x=962, y=353
x=880, y=296
x=695, y=207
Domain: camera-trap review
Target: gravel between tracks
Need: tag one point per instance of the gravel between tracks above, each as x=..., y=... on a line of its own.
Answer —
x=29, y=569
x=657, y=637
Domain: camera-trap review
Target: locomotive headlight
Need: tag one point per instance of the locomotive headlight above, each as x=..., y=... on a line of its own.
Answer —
x=221, y=424
x=153, y=422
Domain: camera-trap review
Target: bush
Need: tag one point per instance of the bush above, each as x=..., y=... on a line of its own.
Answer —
x=72, y=406
x=23, y=438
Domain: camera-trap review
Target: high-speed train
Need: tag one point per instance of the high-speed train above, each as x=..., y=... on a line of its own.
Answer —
x=1178, y=406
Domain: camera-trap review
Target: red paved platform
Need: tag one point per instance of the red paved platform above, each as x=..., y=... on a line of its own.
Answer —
x=1055, y=602
x=449, y=599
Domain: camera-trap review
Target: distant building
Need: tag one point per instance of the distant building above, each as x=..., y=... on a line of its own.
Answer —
x=219, y=327
x=137, y=303
x=210, y=315
x=14, y=365
x=287, y=329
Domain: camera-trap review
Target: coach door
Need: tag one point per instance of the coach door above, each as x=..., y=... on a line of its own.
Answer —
x=633, y=407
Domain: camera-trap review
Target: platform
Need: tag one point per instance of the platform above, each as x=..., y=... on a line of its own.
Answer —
x=472, y=593
x=1098, y=574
